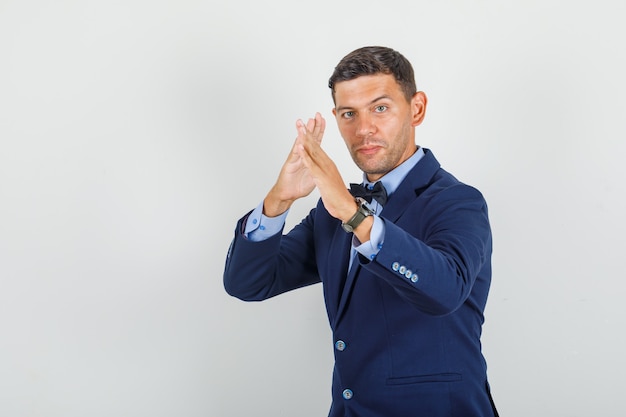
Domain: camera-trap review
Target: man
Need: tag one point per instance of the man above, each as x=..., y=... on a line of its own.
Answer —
x=405, y=272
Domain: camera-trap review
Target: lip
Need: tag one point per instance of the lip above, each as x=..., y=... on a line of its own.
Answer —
x=369, y=150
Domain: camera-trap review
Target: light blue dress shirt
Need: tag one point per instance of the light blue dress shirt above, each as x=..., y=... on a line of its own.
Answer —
x=260, y=227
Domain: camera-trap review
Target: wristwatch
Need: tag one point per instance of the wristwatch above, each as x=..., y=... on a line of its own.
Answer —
x=363, y=210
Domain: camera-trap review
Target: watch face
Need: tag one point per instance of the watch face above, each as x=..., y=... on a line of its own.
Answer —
x=364, y=206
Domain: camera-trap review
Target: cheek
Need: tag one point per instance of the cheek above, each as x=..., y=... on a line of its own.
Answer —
x=349, y=144
x=347, y=134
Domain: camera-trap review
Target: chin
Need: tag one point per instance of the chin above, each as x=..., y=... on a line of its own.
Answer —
x=375, y=171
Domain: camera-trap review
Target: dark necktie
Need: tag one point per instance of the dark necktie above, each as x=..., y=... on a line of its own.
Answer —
x=378, y=192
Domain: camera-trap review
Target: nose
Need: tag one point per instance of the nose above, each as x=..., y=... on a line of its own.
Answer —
x=365, y=126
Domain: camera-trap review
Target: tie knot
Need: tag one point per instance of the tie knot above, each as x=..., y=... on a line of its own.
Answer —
x=377, y=191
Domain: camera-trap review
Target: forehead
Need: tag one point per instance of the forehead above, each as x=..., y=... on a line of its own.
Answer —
x=365, y=89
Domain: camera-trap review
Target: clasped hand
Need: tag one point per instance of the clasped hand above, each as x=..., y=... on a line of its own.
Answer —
x=307, y=167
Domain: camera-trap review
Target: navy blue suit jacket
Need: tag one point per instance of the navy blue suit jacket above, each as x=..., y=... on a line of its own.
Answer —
x=407, y=324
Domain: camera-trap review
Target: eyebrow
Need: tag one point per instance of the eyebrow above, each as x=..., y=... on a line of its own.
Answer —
x=383, y=97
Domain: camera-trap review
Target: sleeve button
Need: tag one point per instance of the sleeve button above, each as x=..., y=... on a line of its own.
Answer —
x=340, y=345
x=347, y=394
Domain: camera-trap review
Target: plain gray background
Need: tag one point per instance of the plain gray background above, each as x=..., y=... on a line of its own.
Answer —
x=135, y=133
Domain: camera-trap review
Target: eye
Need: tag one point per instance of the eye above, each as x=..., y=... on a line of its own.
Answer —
x=347, y=115
x=380, y=109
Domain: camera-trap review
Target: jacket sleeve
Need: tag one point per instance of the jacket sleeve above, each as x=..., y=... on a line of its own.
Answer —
x=255, y=271
x=435, y=252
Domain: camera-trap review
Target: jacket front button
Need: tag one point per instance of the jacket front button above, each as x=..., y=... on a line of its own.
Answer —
x=395, y=266
x=340, y=345
x=347, y=394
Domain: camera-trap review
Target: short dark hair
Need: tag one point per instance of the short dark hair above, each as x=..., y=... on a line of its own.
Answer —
x=371, y=60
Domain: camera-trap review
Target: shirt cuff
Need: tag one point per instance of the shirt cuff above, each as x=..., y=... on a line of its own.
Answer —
x=371, y=248
x=259, y=227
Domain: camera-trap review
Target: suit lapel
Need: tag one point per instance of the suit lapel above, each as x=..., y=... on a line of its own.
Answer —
x=346, y=291
x=339, y=258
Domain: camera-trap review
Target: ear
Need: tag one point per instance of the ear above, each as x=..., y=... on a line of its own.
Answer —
x=334, y=112
x=418, y=106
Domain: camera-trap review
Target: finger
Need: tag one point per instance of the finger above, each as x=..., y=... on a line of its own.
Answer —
x=322, y=170
x=320, y=126
x=302, y=131
x=316, y=157
x=305, y=157
x=311, y=140
x=299, y=125
x=315, y=127
x=294, y=155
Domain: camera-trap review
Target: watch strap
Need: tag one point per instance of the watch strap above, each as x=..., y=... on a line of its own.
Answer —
x=362, y=212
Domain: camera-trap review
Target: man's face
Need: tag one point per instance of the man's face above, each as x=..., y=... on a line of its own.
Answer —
x=376, y=122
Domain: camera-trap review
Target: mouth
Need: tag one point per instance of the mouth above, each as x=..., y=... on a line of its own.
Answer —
x=369, y=149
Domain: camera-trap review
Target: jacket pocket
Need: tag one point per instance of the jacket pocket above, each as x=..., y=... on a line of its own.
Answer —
x=420, y=379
